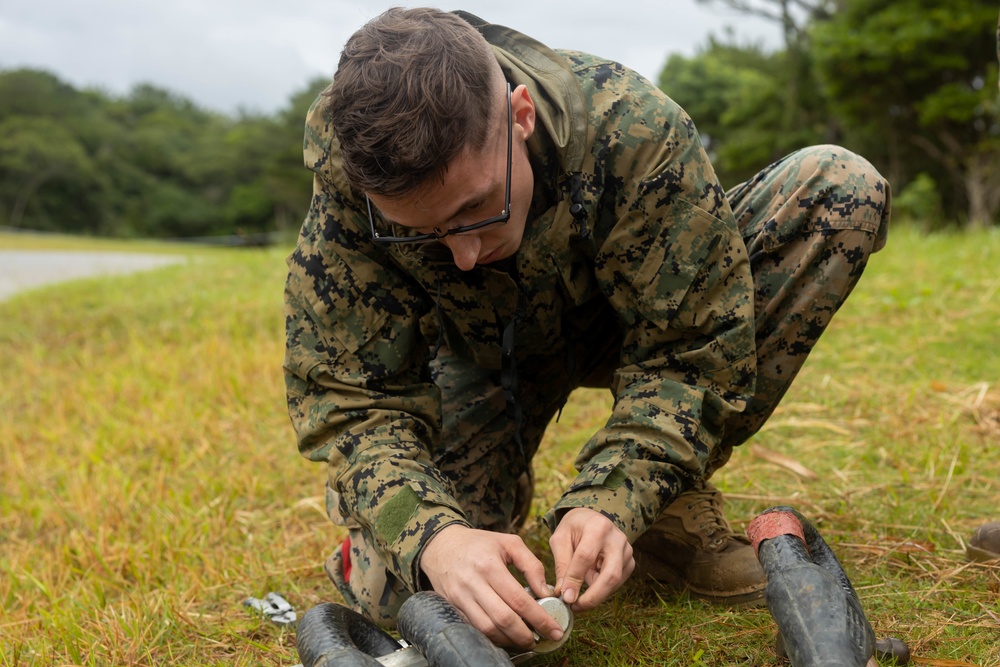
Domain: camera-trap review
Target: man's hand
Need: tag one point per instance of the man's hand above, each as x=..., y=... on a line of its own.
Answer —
x=589, y=549
x=469, y=568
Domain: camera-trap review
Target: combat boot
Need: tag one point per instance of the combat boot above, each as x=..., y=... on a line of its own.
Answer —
x=692, y=547
x=985, y=543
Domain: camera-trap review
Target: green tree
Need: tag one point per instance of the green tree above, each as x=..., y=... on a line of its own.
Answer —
x=182, y=170
x=916, y=81
x=33, y=93
x=34, y=153
x=793, y=102
x=47, y=177
x=273, y=187
x=737, y=96
x=290, y=181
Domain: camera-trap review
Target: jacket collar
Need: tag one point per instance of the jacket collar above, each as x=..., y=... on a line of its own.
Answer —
x=559, y=104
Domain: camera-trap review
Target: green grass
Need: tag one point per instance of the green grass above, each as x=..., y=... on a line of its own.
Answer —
x=48, y=241
x=149, y=480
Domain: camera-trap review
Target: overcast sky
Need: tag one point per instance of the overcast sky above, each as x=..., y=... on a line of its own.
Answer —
x=254, y=54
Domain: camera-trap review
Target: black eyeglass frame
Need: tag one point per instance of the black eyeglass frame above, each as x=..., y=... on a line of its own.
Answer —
x=461, y=229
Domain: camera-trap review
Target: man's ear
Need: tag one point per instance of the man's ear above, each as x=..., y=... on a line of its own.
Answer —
x=523, y=109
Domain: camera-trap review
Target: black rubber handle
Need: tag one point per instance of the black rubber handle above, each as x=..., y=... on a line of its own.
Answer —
x=812, y=601
x=331, y=635
x=429, y=622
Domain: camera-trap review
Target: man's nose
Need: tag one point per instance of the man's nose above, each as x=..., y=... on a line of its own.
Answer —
x=465, y=249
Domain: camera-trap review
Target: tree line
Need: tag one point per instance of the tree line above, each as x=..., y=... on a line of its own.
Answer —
x=148, y=164
x=909, y=84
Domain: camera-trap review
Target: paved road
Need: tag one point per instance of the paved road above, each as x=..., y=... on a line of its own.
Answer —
x=23, y=269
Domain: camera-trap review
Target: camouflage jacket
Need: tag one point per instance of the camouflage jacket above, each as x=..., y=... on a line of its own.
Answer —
x=651, y=235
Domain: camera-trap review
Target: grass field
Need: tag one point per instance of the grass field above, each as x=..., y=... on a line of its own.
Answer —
x=149, y=480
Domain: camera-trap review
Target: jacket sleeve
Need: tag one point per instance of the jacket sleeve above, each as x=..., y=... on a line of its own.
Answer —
x=674, y=268
x=358, y=390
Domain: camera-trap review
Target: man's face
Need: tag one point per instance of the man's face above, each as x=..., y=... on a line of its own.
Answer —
x=473, y=189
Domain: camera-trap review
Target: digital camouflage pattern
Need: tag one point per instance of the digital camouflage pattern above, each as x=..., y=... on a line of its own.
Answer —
x=634, y=274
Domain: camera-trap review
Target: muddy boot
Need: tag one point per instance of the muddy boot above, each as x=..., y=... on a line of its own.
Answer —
x=692, y=547
x=985, y=543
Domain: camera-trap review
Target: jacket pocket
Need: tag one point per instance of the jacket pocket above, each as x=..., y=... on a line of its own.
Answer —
x=679, y=252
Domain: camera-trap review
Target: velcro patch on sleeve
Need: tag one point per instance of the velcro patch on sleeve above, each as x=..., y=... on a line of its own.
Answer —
x=396, y=514
x=615, y=478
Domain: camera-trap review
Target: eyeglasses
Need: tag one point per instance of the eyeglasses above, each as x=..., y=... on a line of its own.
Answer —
x=438, y=234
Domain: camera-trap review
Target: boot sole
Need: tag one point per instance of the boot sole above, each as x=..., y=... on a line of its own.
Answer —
x=748, y=599
x=744, y=601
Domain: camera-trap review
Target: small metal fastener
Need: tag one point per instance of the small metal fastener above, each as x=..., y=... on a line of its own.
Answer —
x=405, y=657
x=274, y=607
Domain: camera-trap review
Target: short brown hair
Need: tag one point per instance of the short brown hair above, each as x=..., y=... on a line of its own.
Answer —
x=413, y=88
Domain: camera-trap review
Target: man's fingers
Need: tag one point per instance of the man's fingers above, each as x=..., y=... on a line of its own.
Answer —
x=589, y=549
x=512, y=618
x=613, y=569
x=531, y=567
x=584, y=560
x=522, y=603
x=496, y=617
x=604, y=580
x=489, y=619
x=527, y=608
x=629, y=560
x=509, y=614
x=562, y=553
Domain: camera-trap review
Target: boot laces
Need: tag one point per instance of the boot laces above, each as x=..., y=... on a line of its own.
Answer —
x=707, y=514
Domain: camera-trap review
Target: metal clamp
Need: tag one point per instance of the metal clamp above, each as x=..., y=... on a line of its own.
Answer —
x=273, y=607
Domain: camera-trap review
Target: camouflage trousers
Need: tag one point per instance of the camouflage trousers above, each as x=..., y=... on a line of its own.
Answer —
x=809, y=222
